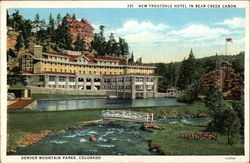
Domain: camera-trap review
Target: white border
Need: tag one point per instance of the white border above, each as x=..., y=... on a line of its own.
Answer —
x=115, y=4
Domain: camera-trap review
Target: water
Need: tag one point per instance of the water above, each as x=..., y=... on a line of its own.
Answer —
x=116, y=138
x=56, y=105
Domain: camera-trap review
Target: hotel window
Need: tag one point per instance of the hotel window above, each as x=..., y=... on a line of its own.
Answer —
x=45, y=69
x=61, y=79
x=61, y=70
x=74, y=71
x=80, y=71
x=55, y=70
x=71, y=79
x=70, y=71
x=50, y=69
x=65, y=70
x=51, y=78
x=41, y=78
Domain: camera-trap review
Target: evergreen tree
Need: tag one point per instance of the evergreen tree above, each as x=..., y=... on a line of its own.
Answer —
x=8, y=19
x=43, y=24
x=67, y=16
x=10, y=53
x=187, y=72
x=124, y=49
x=99, y=43
x=19, y=43
x=231, y=125
x=238, y=107
x=51, y=25
x=26, y=32
x=182, y=82
x=37, y=22
x=58, y=19
x=15, y=77
x=63, y=36
x=17, y=20
x=131, y=59
x=74, y=16
x=78, y=43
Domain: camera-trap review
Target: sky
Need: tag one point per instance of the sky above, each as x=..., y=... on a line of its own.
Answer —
x=163, y=34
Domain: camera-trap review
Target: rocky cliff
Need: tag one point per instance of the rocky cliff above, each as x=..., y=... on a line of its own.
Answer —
x=81, y=27
x=231, y=83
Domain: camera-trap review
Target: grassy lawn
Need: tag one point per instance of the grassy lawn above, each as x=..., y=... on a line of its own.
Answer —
x=61, y=96
x=187, y=110
x=168, y=140
x=23, y=122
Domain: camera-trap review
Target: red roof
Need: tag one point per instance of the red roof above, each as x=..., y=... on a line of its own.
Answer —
x=27, y=72
x=93, y=59
x=20, y=104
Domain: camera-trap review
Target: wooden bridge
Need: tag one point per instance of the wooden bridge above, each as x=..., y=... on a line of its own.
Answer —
x=127, y=115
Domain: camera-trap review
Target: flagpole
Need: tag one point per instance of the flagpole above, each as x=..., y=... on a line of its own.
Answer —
x=226, y=46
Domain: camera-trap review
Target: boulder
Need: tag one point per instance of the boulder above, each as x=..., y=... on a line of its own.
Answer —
x=92, y=138
x=201, y=114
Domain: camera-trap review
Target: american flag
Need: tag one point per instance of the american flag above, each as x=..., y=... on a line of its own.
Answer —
x=229, y=40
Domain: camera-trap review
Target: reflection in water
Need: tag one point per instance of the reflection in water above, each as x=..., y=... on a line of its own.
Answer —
x=56, y=105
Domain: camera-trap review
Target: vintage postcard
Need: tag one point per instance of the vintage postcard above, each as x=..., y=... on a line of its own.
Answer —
x=125, y=81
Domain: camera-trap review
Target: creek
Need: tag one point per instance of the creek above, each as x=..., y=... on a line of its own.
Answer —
x=115, y=138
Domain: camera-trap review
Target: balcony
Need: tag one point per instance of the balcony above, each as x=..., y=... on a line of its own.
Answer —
x=52, y=83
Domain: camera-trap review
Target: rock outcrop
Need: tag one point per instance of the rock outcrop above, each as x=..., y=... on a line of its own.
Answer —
x=33, y=138
x=230, y=82
x=82, y=28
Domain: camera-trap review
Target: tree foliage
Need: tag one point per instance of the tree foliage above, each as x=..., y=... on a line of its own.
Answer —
x=231, y=125
x=15, y=77
x=19, y=42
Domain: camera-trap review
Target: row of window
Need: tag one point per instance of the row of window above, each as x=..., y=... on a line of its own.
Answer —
x=79, y=71
x=63, y=79
x=89, y=66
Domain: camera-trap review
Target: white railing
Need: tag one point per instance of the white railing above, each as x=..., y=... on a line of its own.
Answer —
x=97, y=83
x=52, y=82
x=138, y=83
x=150, y=83
x=61, y=83
x=72, y=83
x=128, y=115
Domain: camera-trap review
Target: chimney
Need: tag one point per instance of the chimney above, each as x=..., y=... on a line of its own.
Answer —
x=38, y=51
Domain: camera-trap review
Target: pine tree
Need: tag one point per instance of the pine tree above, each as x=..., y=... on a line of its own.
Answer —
x=187, y=72
x=63, y=36
x=19, y=43
x=58, y=19
x=17, y=20
x=231, y=125
x=37, y=22
x=78, y=43
x=51, y=24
